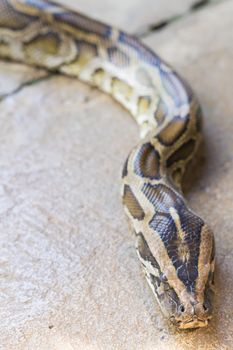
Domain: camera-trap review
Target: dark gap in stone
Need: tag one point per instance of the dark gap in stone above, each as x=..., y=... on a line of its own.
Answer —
x=159, y=25
x=199, y=5
x=165, y=23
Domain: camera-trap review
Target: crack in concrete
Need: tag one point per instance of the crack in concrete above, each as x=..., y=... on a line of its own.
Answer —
x=198, y=6
x=24, y=85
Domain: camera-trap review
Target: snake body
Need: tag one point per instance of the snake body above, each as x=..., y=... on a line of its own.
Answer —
x=174, y=245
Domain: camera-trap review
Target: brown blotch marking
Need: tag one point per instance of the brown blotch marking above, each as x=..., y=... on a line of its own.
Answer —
x=76, y=20
x=120, y=87
x=98, y=76
x=147, y=161
x=213, y=249
x=143, y=104
x=172, y=132
x=86, y=52
x=132, y=204
x=199, y=119
x=145, y=252
x=177, y=176
x=161, y=196
x=13, y=19
x=118, y=57
x=160, y=112
x=125, y=168
x=182, y=153
x=5, y=50
x=47, y=44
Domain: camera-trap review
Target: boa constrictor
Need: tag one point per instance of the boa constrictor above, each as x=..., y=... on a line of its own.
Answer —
x=174, y=245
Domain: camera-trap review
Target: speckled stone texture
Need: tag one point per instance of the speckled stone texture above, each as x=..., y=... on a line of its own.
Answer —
x=133, y=15
x=69, y=275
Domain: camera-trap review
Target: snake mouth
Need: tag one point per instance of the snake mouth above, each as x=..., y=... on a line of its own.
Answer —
x=193, y=323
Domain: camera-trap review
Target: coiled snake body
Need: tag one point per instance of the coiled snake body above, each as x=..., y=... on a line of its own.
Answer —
x=175, y=246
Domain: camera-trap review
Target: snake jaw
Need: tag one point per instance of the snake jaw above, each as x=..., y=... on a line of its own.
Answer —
x=195, y=314
x=194, y=323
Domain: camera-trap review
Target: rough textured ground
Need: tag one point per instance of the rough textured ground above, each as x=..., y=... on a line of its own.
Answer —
x=69, y=275
x=133, y=15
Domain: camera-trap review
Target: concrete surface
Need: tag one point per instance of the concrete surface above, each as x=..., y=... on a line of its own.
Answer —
x=133, y=15
x=69, y=275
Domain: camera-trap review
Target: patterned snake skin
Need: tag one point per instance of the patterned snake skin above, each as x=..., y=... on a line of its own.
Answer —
x=174, y=245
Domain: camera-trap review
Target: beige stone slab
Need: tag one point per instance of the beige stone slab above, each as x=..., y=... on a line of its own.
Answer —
x=14, y=75
x=70, y=278
x=131, y=15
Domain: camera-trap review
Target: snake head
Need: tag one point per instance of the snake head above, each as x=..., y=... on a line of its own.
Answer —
x=184, y=293
x=194, y=307
x=194, y=313
x=184, y=310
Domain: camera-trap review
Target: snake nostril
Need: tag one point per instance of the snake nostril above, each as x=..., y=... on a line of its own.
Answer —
x=182, y=308
x=205, y=307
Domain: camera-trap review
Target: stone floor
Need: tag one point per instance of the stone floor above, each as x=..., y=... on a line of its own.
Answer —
x=70, y=278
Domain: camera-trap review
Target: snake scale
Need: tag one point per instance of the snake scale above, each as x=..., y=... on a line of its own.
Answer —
x=174, y=245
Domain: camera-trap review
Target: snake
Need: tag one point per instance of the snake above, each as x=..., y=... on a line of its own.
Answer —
x=174, y=245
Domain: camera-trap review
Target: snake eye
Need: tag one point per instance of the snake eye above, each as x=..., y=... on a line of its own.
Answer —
x=182, y=308
x=205, y=307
